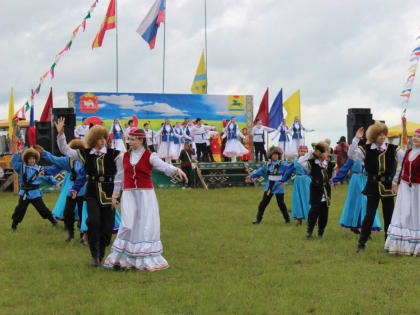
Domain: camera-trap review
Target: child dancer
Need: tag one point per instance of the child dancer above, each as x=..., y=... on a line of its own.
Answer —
x=100, y=167
x=320, y=168
x=233, y=147
x=404, y=230
x=274, y=168
x=355, y=206
x=118, y=136
x=77, y=184
x=380, y=161
x=138, y=242
x=150, y=137
x=30, y=176
x=301, y=187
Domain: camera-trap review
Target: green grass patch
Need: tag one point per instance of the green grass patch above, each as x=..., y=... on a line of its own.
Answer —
x=220, y=264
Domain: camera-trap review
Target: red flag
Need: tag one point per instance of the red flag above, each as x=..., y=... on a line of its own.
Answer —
x=46, y=112
x=107, y=24
x=263, y=110
x=135, y=121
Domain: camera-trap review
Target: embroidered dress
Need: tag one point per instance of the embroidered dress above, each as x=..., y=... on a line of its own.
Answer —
x=284, y=141
x=167, y=148
x=297, y=139
x=138, y=243
x=117, y=138
x=233, y=146
x=404, y=230
x=178, y=140
x=354, y=210
x=300, y=193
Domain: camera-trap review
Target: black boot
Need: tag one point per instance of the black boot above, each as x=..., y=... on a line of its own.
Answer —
x=54, y=222
x=309, y=231
x=13, y=228
x=70, y=236
x=360, y=248
x=320, y=234
x=95, y=261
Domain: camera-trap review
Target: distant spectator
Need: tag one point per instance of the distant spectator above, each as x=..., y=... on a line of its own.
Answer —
x=341, y=151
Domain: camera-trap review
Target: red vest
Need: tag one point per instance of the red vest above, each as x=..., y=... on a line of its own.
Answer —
x=139, y=175
x=411, y=173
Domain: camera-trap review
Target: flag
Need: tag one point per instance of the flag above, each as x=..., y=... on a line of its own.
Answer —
x=263, y=110
x=107, y=24
x=32, y=115
x=135, y=121
x=11, y=114
x=199, y=85
x=276, y=111
x=149, y=26
x=23, y=112
x=46, y=112
x=292, y=107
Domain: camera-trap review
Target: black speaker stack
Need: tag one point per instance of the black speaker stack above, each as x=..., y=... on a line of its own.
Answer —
x=356, y=118
x=69, y=124
x=43, y=134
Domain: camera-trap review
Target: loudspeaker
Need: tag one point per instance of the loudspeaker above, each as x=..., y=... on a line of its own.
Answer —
x=356, y=118
x=69, y=124
x=43, y=134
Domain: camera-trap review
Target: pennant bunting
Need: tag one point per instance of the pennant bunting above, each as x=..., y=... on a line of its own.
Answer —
x=26, y=106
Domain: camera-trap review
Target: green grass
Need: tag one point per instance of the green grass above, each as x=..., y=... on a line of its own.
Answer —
x=220, y=264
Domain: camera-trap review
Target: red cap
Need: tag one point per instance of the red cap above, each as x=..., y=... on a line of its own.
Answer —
x=134, y=132
x=417, y=130
x=303, y=147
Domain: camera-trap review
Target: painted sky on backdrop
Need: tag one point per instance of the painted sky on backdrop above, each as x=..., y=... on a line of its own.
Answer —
x=339, y=53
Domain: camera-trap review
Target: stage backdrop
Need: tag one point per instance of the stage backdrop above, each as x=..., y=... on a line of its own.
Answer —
x=156, y=107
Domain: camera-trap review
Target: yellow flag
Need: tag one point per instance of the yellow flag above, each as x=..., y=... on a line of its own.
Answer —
x=292, y=107
x=199, y=85
x=11, y=114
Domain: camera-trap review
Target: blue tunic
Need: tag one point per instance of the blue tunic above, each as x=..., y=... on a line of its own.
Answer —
x=300, y=193
x=28, y=171
x=284, y=137
x=297, y=132
x=267, y=169
x=355, y=206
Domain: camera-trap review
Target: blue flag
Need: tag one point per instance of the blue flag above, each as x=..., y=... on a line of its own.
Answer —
x=276, y=111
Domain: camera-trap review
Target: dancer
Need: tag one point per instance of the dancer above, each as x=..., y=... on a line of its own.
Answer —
x=404, y=230
x=138, y=243
x=179, y=138
x=274, y=168
x=186, y=158
x=297, y=139
x=167, y=149
x=81, y=130
x=355, y=206
x=233, y=147
x=284, y=141
x=258, y=139
x=76, y=178
x=117, y=136
x=198, y=133
x=301, y=188
x=30, y=176
x=320, y=169
x=380, y=161
x=129, y=125
x=100, y=167
x=247, y=143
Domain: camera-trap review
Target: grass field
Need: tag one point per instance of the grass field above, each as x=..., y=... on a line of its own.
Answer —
x=220, y=264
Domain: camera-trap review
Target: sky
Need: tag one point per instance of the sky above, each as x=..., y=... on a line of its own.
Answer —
x=340, y=54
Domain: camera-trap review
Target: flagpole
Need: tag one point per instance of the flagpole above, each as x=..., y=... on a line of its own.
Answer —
x=116, y=42
x=205, y=41
x=164, y=53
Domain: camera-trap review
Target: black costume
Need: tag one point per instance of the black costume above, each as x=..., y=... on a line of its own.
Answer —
x=380, y=166
x=320, y=195
x=100, y=172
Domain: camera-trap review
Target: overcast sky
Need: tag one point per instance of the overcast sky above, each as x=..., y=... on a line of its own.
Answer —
x=340, y=53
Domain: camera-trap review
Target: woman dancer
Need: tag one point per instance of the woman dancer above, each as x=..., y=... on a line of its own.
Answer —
x=355, y=206
x=167, y=149
x=284, y=141
x=233, y=146
x=117, y=136
x=301, y=185
x=404, y=230
x=138, y=242
x=297, y=139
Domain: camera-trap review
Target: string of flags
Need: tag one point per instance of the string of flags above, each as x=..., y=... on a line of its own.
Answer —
x=26, y=107
x=412, y=69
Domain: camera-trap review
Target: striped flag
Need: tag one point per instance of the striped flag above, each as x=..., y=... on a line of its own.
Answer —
x=149, y=26
x=199, y=85
x=107, y=24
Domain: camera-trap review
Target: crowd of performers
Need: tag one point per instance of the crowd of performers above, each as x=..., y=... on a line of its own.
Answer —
x=100, y=177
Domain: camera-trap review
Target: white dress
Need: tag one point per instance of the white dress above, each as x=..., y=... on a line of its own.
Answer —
x=284, y=139
x=233, y=146
x=117, y=144
x=138, y=243
x=167, y=149
x=404, y=230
